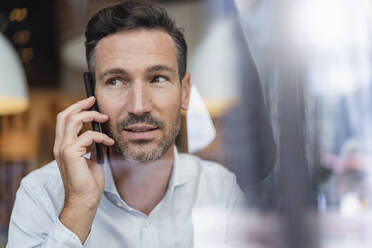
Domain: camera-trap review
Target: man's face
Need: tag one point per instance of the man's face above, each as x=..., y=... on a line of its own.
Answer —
x=138, y=87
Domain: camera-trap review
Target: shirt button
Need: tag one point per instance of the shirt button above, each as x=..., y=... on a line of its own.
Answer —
x=119, y=204
x=147, y=224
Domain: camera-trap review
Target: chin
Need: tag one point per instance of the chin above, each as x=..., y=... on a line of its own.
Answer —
x=141, y=151
x=144, y=157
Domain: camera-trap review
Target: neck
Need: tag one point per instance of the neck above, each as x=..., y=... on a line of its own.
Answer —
x=119, y=165
x=142, y=185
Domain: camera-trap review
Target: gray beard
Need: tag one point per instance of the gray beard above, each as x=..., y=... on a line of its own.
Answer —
x=142, y=156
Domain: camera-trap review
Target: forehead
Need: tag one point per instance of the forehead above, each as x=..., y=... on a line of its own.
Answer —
x=135, y=48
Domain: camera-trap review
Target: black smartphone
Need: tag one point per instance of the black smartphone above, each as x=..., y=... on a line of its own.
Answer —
x=89, y=88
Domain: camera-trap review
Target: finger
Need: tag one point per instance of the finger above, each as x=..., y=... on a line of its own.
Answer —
x=75, y=123
x=88, y=137
x=61, y=117
x=77, y=107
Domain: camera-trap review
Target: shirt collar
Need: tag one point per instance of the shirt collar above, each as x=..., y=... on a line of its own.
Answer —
x=177, y=175
x=109, y=179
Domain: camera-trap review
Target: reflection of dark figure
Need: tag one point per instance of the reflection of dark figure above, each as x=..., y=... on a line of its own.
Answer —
x=247, y=134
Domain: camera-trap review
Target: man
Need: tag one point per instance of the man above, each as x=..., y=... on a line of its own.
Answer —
x=145, y=194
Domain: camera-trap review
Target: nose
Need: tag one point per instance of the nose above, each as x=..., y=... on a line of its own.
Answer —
x=138, y=101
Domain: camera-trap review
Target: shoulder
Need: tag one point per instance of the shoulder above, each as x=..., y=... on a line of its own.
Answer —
x=200, y=167
x=38, y=203
x=212, y=183
x=208, y=176
x=44, y=187
x=44, y=177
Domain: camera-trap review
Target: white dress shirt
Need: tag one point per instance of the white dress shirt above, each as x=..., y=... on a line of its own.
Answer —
x=195, y=211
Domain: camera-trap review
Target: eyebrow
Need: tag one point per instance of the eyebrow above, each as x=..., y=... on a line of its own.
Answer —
x=113, y=71
x=155, y=68
x=158, y=68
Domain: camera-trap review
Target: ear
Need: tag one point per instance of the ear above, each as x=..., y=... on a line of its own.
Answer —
x=185, y=92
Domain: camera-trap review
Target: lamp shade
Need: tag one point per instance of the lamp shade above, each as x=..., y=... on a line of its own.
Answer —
x=216, y=74
x=13, y=86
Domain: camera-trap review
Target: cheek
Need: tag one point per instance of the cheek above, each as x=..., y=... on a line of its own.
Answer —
x=169, y=98
x=108, y=106
x=171, y=111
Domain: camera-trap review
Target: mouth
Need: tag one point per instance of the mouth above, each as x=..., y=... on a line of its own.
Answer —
x=140, y=128
x=141, y=132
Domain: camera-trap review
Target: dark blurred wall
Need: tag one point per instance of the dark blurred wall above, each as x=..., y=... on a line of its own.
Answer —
x=30, y=26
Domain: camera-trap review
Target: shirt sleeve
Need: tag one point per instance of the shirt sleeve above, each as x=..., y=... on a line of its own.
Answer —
x=33, y=224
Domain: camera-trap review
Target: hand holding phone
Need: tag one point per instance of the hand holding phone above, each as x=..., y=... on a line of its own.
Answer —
x=89, y=88
x=83, y=179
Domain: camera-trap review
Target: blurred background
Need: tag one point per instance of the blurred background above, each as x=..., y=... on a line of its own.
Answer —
x=281, y=96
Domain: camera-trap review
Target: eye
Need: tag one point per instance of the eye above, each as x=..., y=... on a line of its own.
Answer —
x=159, y=79
x=115, y=82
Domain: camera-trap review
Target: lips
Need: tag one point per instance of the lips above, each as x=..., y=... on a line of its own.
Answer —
x=140, y=128
x=140, y=132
